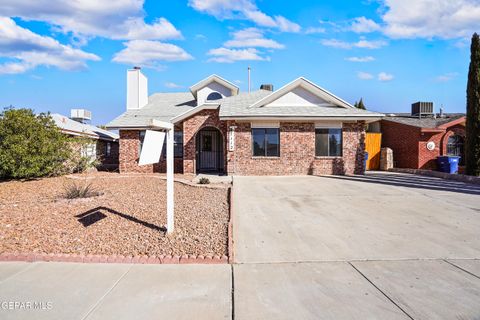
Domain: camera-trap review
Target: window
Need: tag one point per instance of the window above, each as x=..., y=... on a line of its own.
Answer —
x=214, y=96
x=328, y=142
x=266, y=142
x=108, y=149
x=89, y=151
x=177, y=145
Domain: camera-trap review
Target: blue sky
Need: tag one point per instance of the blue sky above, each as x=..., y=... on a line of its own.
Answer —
x=56, y=55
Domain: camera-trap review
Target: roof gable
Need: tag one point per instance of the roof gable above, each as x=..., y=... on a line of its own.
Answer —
x=213, y=78
x=301, y=92
x=299, y=96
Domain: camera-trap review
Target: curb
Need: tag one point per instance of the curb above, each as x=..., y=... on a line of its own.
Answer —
x=94, y=258
x=161, y=177
x=437, y=174
x=230, y=248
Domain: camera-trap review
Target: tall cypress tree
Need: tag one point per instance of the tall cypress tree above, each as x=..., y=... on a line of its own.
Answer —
x=472, y=150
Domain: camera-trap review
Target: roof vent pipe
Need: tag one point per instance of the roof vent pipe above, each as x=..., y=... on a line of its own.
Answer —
x=249, y=87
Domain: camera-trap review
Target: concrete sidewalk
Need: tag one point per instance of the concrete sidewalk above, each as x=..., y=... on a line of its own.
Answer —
x=114, y=291
x=409, y=289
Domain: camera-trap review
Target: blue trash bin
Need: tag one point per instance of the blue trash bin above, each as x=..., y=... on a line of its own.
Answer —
x=448, y=164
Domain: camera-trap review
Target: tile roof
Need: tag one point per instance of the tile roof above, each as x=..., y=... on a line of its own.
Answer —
x=69, y=125
x=425, y=122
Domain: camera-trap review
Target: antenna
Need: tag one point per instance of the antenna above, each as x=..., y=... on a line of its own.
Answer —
x=249, y=86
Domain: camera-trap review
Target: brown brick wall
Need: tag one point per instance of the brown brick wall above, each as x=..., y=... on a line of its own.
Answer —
x=297, y=152
x=297, y=149
x=403, y=140
x=409, y=144
x=129, y=154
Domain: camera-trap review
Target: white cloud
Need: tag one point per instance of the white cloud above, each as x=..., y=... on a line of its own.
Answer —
x=383, y=76
x=362, y=43
x=148, y=53
x=286, y=25
x=444, y=19
x=364, y=75
x=364, y=25
x=172, y=85
x=243, y=9
x=29, y=50
x=120, y=19
x=225, y=55
x=376, y=44
x=360, y=59
x=252, y=37
x=335, y=43
x=446, y=77
x=314, y=30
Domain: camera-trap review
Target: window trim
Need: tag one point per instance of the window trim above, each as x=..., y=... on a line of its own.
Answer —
x=328, y=144
x=265, y=156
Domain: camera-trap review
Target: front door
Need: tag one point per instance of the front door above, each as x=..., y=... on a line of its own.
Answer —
x=209, y=150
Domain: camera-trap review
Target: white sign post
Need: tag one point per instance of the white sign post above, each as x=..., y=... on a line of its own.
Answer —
x=151, y=152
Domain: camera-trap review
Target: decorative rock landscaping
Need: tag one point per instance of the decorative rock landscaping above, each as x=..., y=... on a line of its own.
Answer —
x=125, y=224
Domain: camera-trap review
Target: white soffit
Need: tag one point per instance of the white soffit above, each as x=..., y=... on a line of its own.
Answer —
x=328, y=124
x=152, y=147
x=265, y=124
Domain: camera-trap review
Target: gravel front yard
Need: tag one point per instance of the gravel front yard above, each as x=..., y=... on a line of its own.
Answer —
x=128, y=219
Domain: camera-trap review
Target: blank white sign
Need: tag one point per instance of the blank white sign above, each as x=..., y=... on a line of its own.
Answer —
x=152, y=147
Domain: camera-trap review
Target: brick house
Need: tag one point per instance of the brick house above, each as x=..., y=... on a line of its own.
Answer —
x=418, y=139
x=298, y=129
x=102, y=146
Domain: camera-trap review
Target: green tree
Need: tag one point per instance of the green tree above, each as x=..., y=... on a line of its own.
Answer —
x=31, y=145
x=360, y=105
x=472, y=150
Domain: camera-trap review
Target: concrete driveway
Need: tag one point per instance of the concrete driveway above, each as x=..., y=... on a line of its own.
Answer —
x=380, y=246
x=380, y=216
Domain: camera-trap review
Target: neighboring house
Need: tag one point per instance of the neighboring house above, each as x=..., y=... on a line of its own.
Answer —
x=104, y=145
x=417, y=139
x=297, y=129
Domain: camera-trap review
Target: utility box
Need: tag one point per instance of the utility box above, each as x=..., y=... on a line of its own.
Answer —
x=80, y=115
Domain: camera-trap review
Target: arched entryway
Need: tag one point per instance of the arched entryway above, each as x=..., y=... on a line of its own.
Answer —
x=209, y=150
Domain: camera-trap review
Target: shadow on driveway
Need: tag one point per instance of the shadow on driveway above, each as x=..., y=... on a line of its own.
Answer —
x=413, y=181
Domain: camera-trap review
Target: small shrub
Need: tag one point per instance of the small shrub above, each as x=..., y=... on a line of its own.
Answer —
x=78, y=190
x=204, y=180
